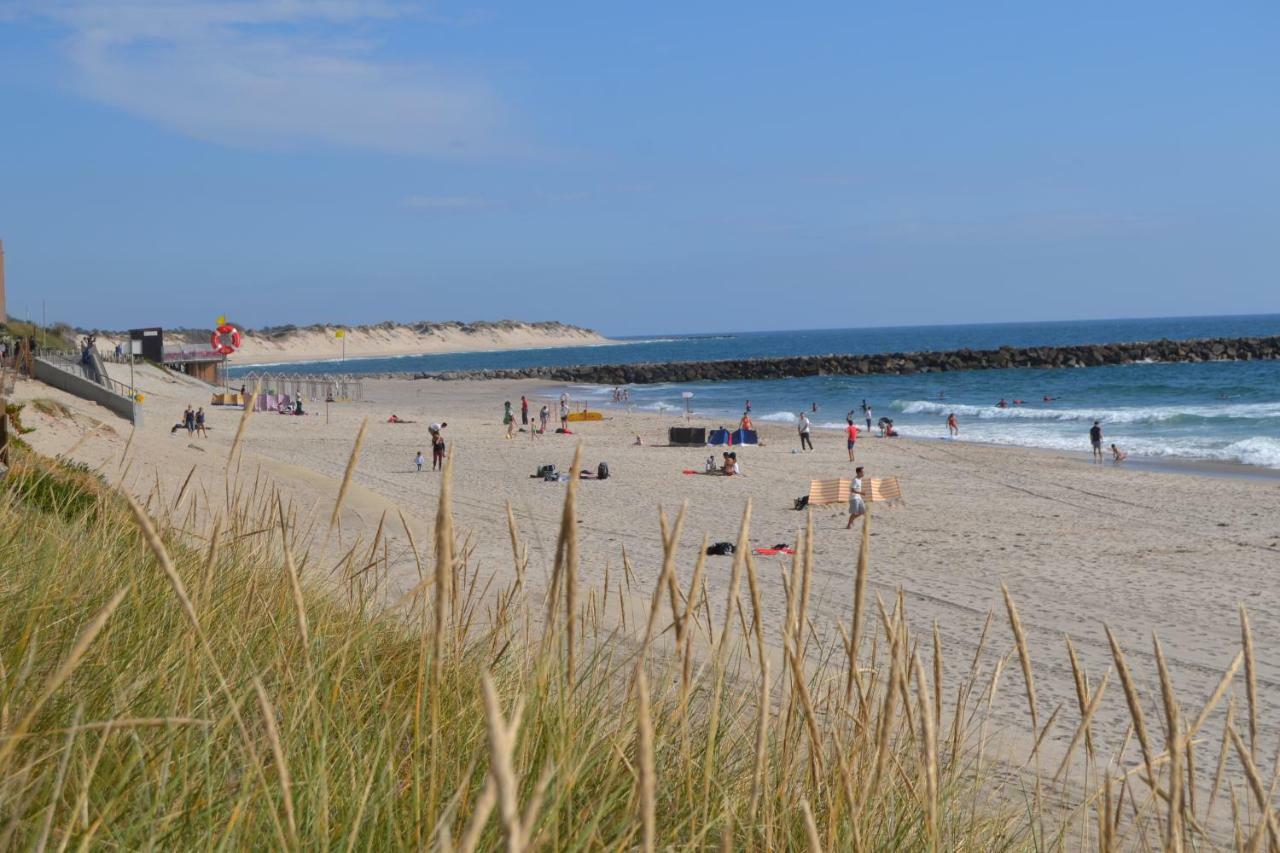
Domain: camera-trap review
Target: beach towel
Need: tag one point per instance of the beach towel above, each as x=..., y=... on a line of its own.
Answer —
x=829, y=491
x=882, y=489
x=769, y=552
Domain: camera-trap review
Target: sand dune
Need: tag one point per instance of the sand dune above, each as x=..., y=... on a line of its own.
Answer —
x=320, y=342
x=1079, y=546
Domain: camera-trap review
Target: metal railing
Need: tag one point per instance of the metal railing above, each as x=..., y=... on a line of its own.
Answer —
x=73, y=362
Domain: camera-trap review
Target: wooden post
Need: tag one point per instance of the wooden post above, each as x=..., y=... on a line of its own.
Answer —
x=4, y=432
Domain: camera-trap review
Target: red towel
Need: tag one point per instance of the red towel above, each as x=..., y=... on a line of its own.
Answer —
x=769, y=552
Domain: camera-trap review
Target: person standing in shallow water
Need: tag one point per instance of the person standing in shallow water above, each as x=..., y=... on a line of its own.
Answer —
x=953, y=429
x=1095, y=439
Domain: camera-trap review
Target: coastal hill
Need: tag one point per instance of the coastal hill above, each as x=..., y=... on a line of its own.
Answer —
x=320, y=341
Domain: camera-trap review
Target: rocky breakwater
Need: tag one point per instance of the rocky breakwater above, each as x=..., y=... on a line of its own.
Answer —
x=895, y=363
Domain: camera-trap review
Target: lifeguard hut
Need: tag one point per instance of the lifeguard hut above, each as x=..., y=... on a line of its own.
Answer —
x=201, y=361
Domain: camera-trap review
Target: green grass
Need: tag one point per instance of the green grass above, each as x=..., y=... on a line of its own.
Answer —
x=245, y=691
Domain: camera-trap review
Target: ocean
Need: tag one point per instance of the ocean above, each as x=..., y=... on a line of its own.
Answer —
x=1220, y=411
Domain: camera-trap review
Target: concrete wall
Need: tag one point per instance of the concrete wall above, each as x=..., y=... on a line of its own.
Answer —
x=87, y=390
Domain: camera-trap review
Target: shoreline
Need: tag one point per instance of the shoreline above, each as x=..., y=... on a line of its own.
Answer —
x=1153, y=464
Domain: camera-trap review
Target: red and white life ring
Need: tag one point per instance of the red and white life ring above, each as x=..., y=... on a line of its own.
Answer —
x=225, y=339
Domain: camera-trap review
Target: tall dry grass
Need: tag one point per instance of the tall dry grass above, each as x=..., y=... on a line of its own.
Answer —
x=249, y=691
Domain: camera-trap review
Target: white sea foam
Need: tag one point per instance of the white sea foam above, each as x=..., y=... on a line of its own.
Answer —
x=1136, y=415
x=1262, y=451
x=779, y=417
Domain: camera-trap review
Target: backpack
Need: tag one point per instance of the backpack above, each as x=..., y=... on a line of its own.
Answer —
x=720, y=549
x=602, y=471
x=802, y=502
x=545, y=471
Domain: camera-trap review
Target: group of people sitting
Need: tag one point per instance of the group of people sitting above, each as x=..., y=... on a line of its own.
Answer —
x=729, y=467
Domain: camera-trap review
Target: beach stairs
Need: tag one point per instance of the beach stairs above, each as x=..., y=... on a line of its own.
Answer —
x=87, y=379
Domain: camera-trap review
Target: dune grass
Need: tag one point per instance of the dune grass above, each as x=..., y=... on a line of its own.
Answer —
x=248, y=688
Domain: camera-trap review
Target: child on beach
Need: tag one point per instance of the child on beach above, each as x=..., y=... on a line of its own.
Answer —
x=419, y=460
x=1118, y=455
x=953, y=429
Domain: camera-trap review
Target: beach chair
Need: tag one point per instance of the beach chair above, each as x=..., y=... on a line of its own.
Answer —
x=829, y=491
x=882, y=489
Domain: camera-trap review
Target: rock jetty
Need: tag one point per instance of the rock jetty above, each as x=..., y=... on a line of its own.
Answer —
x=895, y=363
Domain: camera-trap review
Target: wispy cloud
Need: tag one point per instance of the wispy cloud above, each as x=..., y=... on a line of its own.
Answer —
x=273, y=74
x=445, y=202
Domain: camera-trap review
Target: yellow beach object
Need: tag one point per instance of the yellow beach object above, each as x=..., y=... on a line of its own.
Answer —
x=586, y=416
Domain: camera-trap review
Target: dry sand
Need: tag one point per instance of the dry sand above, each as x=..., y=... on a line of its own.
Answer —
x=365, y=342
x=1078, y=545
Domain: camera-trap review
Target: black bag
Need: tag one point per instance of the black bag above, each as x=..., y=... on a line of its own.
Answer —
x=602, y=471
x=802, y=502
x=720, y=549
x=544, y=470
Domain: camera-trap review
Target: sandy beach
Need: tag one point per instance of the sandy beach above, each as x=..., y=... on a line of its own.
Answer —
x=1078, y=545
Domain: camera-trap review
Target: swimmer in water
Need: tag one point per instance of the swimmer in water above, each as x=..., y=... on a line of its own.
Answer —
x=1002, y=404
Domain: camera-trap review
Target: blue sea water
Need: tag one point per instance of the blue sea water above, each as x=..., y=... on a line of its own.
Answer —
x=1225, y=411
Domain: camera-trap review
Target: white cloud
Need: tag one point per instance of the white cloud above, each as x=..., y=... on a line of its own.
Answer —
x=445, y=202
x=273, y=74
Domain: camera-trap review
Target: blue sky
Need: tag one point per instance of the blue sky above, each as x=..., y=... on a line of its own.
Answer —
x=638, y=168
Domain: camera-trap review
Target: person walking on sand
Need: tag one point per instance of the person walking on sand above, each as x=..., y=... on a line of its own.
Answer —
x=867, y=412
x=851, y=434
x=544, y=415
x=857, y=506
x=189, y=420
x=200, y=422
x=419, y=460
x=1095, y=439
x=564, y=414
x=805, y=441
x=953, y=429
x=524, y=410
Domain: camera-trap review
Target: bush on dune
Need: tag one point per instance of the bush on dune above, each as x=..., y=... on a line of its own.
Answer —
x=243, y=690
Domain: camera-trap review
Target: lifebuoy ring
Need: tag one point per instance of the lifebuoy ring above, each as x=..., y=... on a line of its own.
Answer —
x=225, y=339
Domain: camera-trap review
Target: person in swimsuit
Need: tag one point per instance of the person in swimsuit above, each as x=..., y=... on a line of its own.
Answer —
x=1118, y=455
x=953, y=429
x=437, y=451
